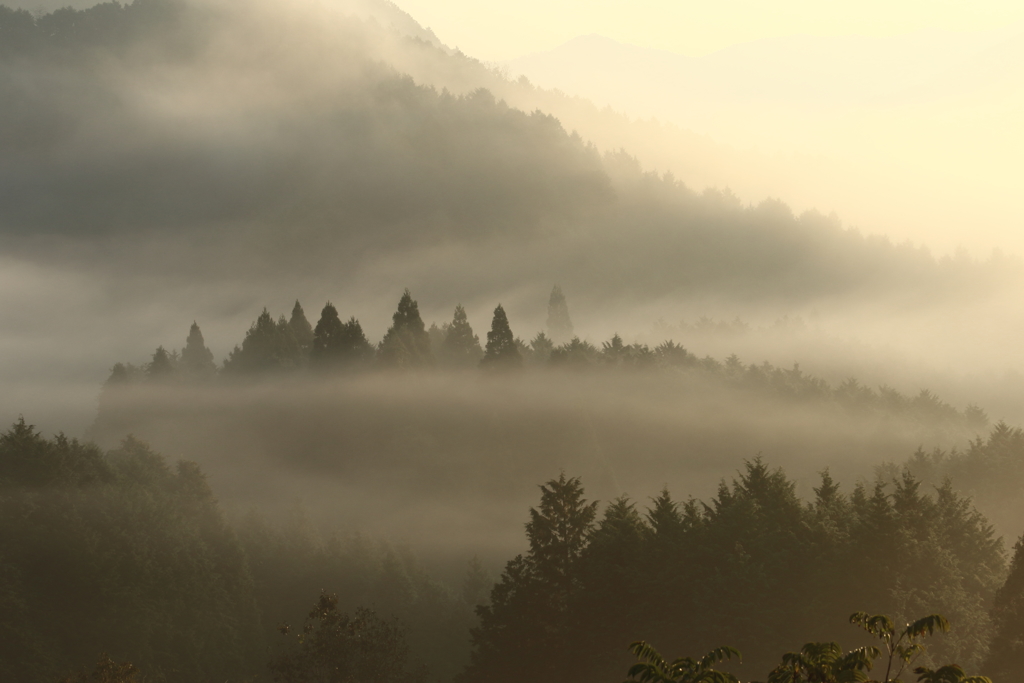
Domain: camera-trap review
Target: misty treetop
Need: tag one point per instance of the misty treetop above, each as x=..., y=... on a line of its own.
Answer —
x=406, y=344
x=458, y=346
x=559, y=325
x=292, y=347
x=337, y=344
x=502, y=350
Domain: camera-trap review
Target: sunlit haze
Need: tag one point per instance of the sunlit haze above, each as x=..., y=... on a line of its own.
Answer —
x=903, y=117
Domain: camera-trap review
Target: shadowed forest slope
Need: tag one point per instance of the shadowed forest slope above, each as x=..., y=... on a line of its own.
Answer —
x=289, y=136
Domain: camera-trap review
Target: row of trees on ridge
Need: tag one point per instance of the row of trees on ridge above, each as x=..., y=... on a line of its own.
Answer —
x=290, y=345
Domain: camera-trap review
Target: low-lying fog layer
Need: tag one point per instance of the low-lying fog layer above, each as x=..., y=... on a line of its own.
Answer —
x=450, y=462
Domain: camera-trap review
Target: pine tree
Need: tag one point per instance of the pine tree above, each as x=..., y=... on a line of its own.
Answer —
x=461, y=348
x=406, y=344
x=301, y=330
x=541, y=347
x=559, y=324
x=558, y=531
x=325, y=336
x=502, y=351
x=162, y=366
x=196, y=359
x=268, y=346
x=337, y=344
x=524, y=629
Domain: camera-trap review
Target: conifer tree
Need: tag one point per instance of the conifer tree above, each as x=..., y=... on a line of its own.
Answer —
x=326, y=335
x=502, y=350
x=337, y=344
x=162, y=366
x=196, y=359
x=541, y=347
x=461, y=348
x=406, y=344
x=523, y=630
x=267, y=346
x=301, y=330
x=559, y=324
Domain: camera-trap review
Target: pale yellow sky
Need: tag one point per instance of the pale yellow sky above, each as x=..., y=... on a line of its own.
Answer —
x=502, y=30
x=919, y=137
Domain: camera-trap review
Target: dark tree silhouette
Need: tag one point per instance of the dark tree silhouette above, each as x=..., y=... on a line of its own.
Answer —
x=196, y=359
x=406, y=344
x=524, y=629
x=461, y=348
x=268, y=346
x=502, y=350
x=162, y=366
x=301, y=330
x=337, y=344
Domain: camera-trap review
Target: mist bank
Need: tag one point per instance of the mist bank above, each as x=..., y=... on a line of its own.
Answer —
x=402, y=455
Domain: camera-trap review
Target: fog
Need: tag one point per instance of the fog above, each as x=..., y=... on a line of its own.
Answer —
x=401, y=457
x=173, y=162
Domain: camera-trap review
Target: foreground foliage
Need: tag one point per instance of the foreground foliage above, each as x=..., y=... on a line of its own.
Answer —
x=818, y=662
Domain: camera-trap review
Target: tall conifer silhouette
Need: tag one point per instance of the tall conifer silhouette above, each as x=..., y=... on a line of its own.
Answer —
x=559, y=325
x=406, y=343
x=502, y=350
x=301, y=330
x=196, y=359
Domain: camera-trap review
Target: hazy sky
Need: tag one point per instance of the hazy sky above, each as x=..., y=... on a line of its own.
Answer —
x=905, y=120
x=503, y=30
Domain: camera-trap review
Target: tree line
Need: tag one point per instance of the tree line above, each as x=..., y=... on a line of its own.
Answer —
x=293, y=345
x=755, y=567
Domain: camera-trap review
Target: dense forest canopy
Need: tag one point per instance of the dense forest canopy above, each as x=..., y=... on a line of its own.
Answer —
x=153, y=571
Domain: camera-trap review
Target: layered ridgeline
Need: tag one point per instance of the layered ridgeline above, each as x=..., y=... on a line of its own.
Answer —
x=294, y=140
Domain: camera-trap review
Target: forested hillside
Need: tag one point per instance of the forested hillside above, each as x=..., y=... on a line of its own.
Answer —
x=373, y=163
x=151, y=571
